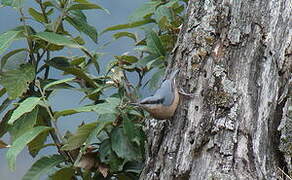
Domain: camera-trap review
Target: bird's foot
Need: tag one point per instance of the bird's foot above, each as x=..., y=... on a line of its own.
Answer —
x=188, y=95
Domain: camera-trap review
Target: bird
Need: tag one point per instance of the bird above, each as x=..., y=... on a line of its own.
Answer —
x=162, y=105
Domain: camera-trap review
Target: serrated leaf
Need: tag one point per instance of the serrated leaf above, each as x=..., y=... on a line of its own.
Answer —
x=125, y=34
x=146, y=9
x=154, y=43
x=24, y=107
x=21, y=142
x=12, y=56
x=129, y=25
x=37, y=143
x=57, y=39
x=61, y=81
x=131, y=130
x=87, y=6
x=23, y=124
x=103, y=120
x=43, y=166
x=107, y=156
x=65, y=173
x=37, y=15
x=7, y=38
x=80, y=137
x=83, y=26
x=17, y=81
x=122, y=146
x=87, y=132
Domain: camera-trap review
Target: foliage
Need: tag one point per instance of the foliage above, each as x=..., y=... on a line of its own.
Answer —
x=113, y=145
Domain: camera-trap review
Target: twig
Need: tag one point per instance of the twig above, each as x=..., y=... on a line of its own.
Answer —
x=56, y=136
x=47, y=67
x=29, y=41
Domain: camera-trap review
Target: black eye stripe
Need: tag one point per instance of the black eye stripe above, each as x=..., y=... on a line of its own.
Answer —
x=159, y=101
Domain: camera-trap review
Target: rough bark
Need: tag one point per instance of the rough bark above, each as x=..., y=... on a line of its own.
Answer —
x=235, y=56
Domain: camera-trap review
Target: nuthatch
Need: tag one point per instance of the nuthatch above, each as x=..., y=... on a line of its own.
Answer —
x=163, y=103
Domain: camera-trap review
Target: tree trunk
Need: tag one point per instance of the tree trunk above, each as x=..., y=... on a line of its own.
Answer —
x=235, y=56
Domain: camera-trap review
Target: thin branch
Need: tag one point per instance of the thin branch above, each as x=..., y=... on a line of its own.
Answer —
x=47, y=67
x=56, y=136
x=29, y=41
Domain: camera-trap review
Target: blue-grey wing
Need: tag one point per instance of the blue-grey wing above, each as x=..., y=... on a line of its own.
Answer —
x=165, y=92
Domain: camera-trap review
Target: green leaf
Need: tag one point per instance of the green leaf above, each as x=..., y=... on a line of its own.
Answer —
x=43, y=166
x=57, y=39
x=105, y=108
x=129, y=25
x=146, y=9
x=83, y=26
x=122, y=146
x=21, y=142
x=87, y=6
x=113, y=101
x=37, y=143
x=4, y=123
x=131, y=130
x=65, y=173
x=24, y=107
x=127, y=58
x=74, y=111
x=87, y=132
x=103, y=120
x=15, y=57
x=125, y=34
x=18, y=3
x=63, y=64
x=109, y=157
x=16, y=82
x=7, y=38
x=23, y=124
x=61, y=81
x=37, y=15
x=2, y=92
x=13, y=3
x=80, y=137
x=154, y=43
x=79, y=14
x=109, y=107
x=144, y=49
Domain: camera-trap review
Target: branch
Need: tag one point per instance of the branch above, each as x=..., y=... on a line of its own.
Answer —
x=56, y=136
